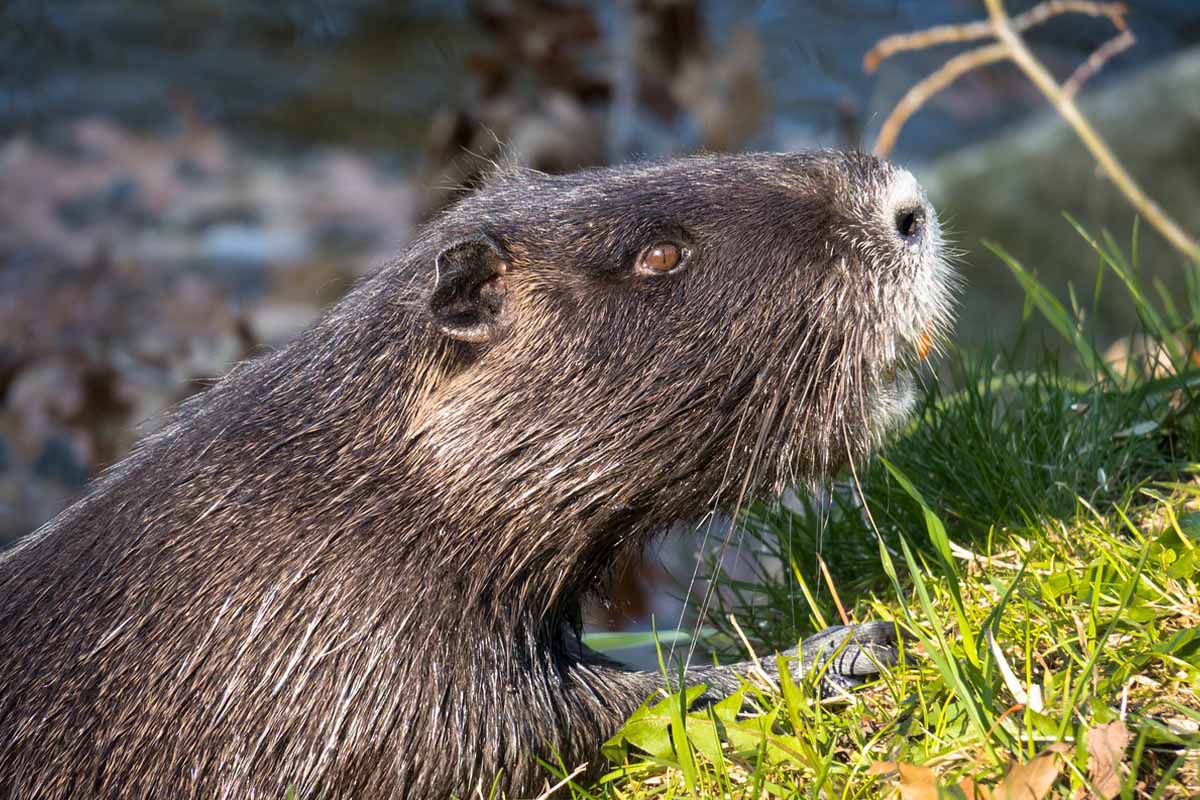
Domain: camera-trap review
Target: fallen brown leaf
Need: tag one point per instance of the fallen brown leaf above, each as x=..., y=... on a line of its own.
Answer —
x=1106, y=750
x=973, y=791
x=917, y=783
x=1033, y=779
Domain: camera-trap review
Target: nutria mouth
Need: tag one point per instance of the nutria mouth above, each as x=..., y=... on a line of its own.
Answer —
x=354, y=566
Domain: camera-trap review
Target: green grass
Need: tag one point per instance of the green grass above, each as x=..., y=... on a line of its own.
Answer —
x=1037, y=531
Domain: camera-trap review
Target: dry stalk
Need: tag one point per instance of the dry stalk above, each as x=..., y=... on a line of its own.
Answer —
x=944, y=34
x=915, y=97
x=1067, y=109
x=940, y=34
x=1084, y=72
x=1009, y=45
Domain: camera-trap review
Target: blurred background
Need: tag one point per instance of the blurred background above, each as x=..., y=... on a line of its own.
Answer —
x=186, y=182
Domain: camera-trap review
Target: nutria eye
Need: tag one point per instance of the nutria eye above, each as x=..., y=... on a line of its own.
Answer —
x=660, y=258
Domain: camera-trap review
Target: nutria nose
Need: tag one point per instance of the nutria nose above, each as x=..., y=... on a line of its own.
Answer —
x=910, y=222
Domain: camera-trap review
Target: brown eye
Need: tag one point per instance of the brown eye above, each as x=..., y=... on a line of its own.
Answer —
x=660, y=258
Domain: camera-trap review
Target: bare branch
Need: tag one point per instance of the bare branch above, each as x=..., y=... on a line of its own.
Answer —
x=1084, y=72
x=971, y=31
x=1009, y=45
x=1052, y=8
x=1067, y=109
x=918, y=94
x=942, y=34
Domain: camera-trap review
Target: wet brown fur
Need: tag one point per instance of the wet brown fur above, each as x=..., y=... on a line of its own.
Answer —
x=354, y=565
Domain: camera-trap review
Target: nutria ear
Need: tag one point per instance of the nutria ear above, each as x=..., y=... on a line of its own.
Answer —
x=470, y=298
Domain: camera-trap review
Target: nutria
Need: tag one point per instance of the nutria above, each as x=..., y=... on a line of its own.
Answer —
x=354, y=566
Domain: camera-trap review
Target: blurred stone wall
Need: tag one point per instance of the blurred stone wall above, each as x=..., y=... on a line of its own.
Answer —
x=189, y=181
x=136, y=269
x=1012, y=189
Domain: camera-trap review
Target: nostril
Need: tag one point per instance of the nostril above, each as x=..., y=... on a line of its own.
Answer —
x=910, y=222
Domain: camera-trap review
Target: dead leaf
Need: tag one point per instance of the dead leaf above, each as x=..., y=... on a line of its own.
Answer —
x=917, y=783
x=973, y=791
x=1106, y=750
x=1033, y=779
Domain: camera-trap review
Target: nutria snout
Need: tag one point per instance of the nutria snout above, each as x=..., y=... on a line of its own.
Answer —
x=355, y=565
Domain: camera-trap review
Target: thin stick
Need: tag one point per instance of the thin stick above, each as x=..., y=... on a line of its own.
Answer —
x=1052, y=8
x=1010, y=45
x=940, y=34
x=757, y=667
x=1007, y=35
x=915, y=97
x=1084, y=72
x=574, y=774
x=837, y=601
x=946, y=34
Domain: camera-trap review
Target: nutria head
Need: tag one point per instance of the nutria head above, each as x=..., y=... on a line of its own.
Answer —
x=637, y=344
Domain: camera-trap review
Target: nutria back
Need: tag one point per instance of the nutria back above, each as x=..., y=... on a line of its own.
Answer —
x=355, y=565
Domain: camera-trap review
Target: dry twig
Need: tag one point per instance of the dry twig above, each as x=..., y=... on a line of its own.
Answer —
x=1008, y=45
x=915, y=97
x=941, y=34
x=1096, y=61
x=945, y=34
x=552, y=789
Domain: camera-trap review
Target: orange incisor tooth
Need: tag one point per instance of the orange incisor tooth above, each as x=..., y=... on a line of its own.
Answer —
x=924, y=344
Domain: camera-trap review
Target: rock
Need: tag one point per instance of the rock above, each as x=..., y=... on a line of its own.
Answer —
x=564, y=137
x=121, y=197
x=1013, y=188
x=248, y=244
x=347, y=234
x=60, y=461
x=106, y=321
x=27, y=501
x=50, y=389
x=275, y=323
x=726, y=93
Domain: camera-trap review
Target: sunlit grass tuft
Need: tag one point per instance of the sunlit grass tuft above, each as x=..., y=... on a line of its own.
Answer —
x=1037, y=532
